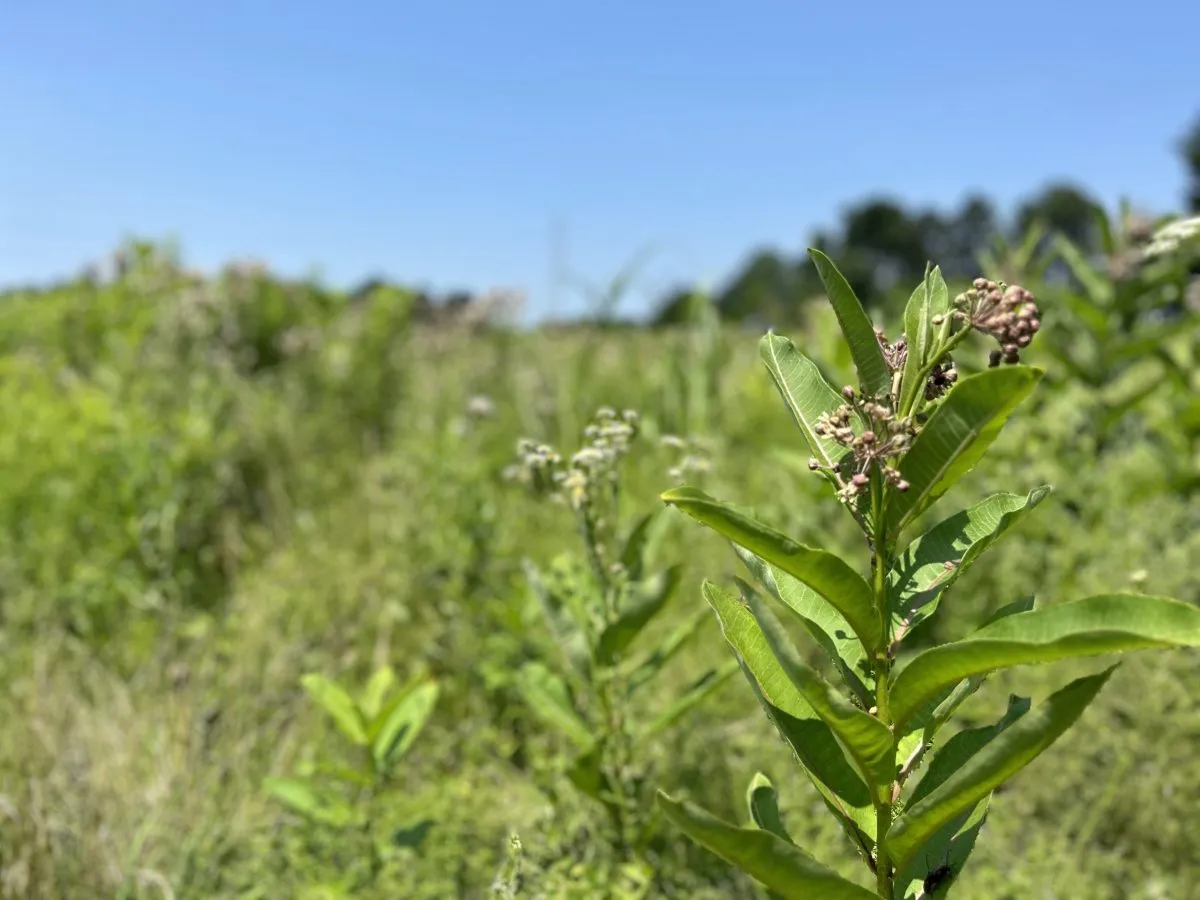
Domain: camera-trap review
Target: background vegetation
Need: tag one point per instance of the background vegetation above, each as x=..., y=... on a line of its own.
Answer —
x=211, y=487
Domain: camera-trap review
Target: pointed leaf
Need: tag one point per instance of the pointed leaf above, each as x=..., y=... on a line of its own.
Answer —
x=763, y=802
x=705, y=685
x=873, y=372
x=1107, y=623
x=380, y=685
x=403, y=724
x=643, y=671
x=822, y=571
x=930, y=299
x=550, y=700
x=825, y=624
x=867, y=741
x=640, y=543
x=775, y=863
x=647, y=598
x=949, y=847
x=338, y=704
x=561, y=621
x=1005, y=755
x=957, y=434
x=805, y=391
x=810, y=738
x=935, y=560
x=303, y=798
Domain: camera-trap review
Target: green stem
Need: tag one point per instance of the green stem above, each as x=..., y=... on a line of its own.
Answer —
x=882, y=554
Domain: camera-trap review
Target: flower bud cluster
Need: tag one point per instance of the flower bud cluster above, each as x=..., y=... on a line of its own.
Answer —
x=886, y=436
x=1008, y=313
x=594, y=465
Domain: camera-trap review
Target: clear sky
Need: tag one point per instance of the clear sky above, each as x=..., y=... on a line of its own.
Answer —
x=438, y=141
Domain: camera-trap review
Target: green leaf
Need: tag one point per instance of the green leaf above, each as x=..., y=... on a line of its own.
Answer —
x=934, y=561
x=805, y=392
x=647, y=599
x=867, y=741
x=763, y=802
x=402, y=725
x=822, y=571
x=562, y=620
x=930, y=299
x=642, y=672
x=1007, y=753
x=338, y=704
x=550, y=700
x=1107, y=623
x=411, y=837
x=699, y=691
x=303, y=798
x=951, y=845
x=812, y=740
x=587, y=774
x=774, y=862
x=1098, y=287
x=378, y=687
x=639, y=544
x=873, y=372
x=958, y=433
x=825, y=624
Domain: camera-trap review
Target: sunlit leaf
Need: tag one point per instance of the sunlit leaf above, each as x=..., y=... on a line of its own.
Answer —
x=779, y=865
x=930, y=299
x=1106, y=623
x=338, y=704
x=873, y=372
x=935, y=560
x=382, y=683
x=805, y=392
x=821, y=570
x=397, y=733
x=304, y=798
x=957, y=434
x=763, y=802
x=998, y=760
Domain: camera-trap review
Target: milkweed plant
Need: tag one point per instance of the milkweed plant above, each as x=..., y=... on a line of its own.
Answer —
x=890, y=447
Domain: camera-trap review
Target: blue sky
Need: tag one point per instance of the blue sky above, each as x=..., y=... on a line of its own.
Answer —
x=439, y=142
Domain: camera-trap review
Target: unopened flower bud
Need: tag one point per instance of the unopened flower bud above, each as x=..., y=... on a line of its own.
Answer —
x=848, y=392
x=902, y=485
x=860, y=480
x=813, y=464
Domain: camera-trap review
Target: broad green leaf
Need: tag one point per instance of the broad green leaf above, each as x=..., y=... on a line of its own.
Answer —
x=812, y=741
x=338, y=704
x=642, y=671
x=692, y=697
x=763, y=802
x=646, y=599
x=866, y=740
x=405, y=722
x=821, y=570
x=550, y=700
x=1106, y=623
x=951, y=845
x=873, y=371
x=779, y=865
x=935, y=560
x=1007, y=753
x=587, y=774
x=930, y=299
x=805, y=392
x=825, y=624
x=378, y=687
x=305, y=799
x=925, y=725
x=957, y=434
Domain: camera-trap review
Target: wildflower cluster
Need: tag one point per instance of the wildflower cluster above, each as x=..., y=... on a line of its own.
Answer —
x=885, y=437
x=593, y=467
x=1008, y=313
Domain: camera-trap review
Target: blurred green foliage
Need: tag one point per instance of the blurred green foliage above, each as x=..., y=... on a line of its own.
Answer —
x=212, y=487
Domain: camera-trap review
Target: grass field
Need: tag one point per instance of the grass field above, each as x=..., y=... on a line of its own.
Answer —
x=210, y=488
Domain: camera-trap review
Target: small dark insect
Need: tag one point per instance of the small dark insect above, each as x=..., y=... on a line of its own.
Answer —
x=937, y=878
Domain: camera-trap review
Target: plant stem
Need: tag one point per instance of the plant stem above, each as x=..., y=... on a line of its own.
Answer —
x=882, y=554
